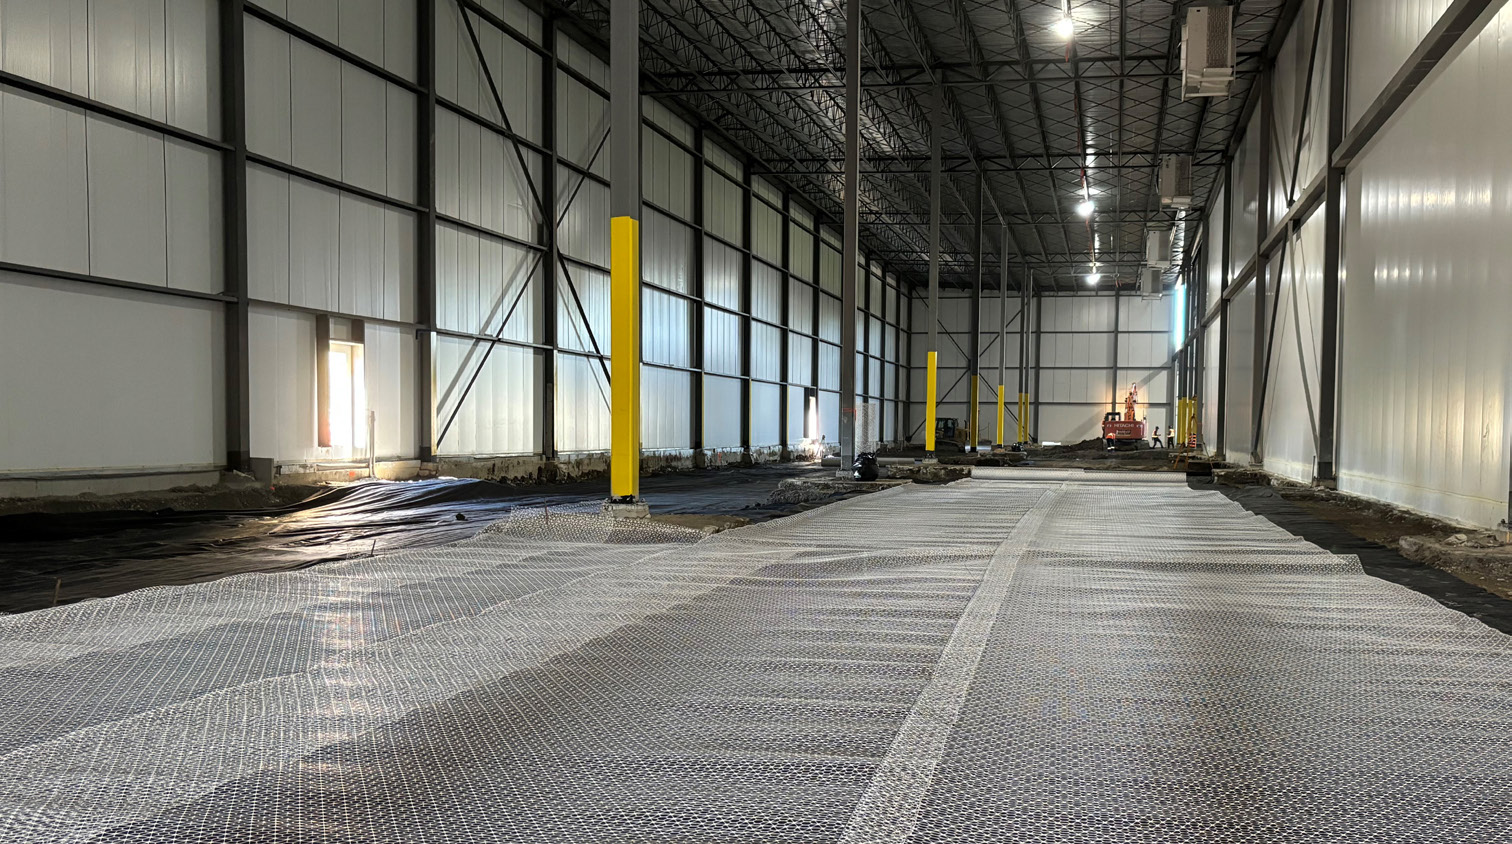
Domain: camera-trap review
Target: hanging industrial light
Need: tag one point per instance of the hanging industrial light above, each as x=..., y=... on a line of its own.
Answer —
x=1086, y=207
x=1065, y=28
x=1094, y=277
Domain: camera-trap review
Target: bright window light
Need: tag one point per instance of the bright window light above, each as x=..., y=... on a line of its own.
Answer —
x=1086, y=207
x=1065, y=28
x=1178, y=316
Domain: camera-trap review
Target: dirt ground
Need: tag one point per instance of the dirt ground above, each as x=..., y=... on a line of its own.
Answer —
x=1089, y=454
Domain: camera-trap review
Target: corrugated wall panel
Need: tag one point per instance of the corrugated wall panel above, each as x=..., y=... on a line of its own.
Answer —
x=1209, y=408
x=766, y=293
x=118, y=388
x=582, y=405
x=44, y=218
x=481, y=282
x=1214, y=248
x=666, y=174
x=497, y=414
x=665, y=322
x=1246, y=200
x=1426, y=357
x=582, y=121
x=592, y=292
x=766, y=352
x=584, y=229
x=766, y=415
x=724, y=206
x=1238, y=418
x=1290, y=81
x=766, y=233
x=666, y=395
x=1291, y=399
x=1379, y=42
x=721, y=412
x=723, y=268
x=797, y=416
x=721, y=338
x=666, y=252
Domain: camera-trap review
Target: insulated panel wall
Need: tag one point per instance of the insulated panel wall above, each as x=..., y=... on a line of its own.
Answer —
x=721, y=412
x=1380, y=41
x=1299, y=148
x=1289, y=426
x=666, y=396
x=87, y=194
x=112, y=385
x=486, y=398
x=1426, y=356
x=1239, y=410
x=156, y=58
x=582, y=405
x=1246, y=201
x=766, y=415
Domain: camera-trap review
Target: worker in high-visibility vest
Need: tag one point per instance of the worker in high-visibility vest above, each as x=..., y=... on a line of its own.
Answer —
x=1155, y=437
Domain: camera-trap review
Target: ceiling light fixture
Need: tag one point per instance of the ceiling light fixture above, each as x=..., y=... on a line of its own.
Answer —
x=1086, y=207
x=1065, y=28
x=1094, y=277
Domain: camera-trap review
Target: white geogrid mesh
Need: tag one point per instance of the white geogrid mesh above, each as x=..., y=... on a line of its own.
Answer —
x=1050, y=657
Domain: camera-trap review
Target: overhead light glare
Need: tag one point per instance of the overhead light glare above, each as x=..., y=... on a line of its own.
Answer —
x=1086, y=207
x=1065, y=28
x=1094, y=277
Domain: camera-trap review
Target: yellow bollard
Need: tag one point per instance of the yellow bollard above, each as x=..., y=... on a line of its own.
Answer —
x=1002, y=427
x=624, y=358
x=929, y=412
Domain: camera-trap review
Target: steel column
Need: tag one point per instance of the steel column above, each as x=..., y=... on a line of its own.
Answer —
x=548, y=238
x=624, y=235
x=1002, y=379
x=238, y=388
x=425, y=229
x=973, y=425
x=1226, y=275
x=1262, y=264
x=936, y=134
x=1039, y=345
x=1333, y=235
x=852, y=236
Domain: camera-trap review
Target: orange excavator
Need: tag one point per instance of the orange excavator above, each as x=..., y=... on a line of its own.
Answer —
x=1124, y=429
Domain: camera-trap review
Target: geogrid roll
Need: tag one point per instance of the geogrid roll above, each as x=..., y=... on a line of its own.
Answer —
x=1046, y=658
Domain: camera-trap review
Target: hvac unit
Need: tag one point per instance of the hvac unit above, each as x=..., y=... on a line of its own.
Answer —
x=1158, y=248
x=1207, y=52
x=1150, y=282
x=1176, y=181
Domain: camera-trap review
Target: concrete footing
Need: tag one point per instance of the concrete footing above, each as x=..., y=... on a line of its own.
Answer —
x=627, y=509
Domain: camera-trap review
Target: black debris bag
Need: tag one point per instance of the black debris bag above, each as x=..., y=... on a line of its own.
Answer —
x=865, y=467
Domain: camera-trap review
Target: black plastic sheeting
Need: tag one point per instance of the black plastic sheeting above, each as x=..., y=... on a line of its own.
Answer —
x=1493, y=611
x=74, y=556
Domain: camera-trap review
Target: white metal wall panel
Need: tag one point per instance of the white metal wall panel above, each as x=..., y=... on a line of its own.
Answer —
x=479, y=179
x=766, y=415
x=1209, y=407
x=800, y=360
x=829, y=318
x=1069, y=424
x=666, y=252
x=315, y=106
x=1137, y=314
x=1239, y=416
x=195, y=252
x=592, y=289
x=322, y=17
x=150, y=57
x=269, y=93
x=829, y=417
x=582, y=405
x=666, y=174
x=766, y=352
x=766, y=293
x=801, y=251
x=724, y=206
x=766, y=233
x=800, y=315
x=498, y=414
x=44, y=219
x=128, y=202
x=281, y=349
x=797, y=416
x=664, y=328
x=384, y=36
x=1246, y=200
x=666, y=395
x=1290, y=87
x=1144, y=351
x=829, y=367
x=721, y=412
x=1214, y=245
x=1074, y=313
x=47, y=40
x=132, y=379
x=582, y=119
x=1381, y=41
x=515, y=69
x=1426, y=356
x=364, y=128
x=584, y=229
x=721, y=338
x=722, y=268
x=389, y=361
x=320, y=248
x=1289, y=442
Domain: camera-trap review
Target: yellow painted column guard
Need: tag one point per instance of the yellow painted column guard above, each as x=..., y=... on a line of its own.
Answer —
x=624, y=358
x=1002, y=427
x=1023, y=418
x=929, y=408
x=973, y=424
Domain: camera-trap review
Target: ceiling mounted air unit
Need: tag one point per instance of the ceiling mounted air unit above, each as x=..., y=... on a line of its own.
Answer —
x=1176, y=181
x=1150, y=283
x=1207, y=52
x=1158, y=248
